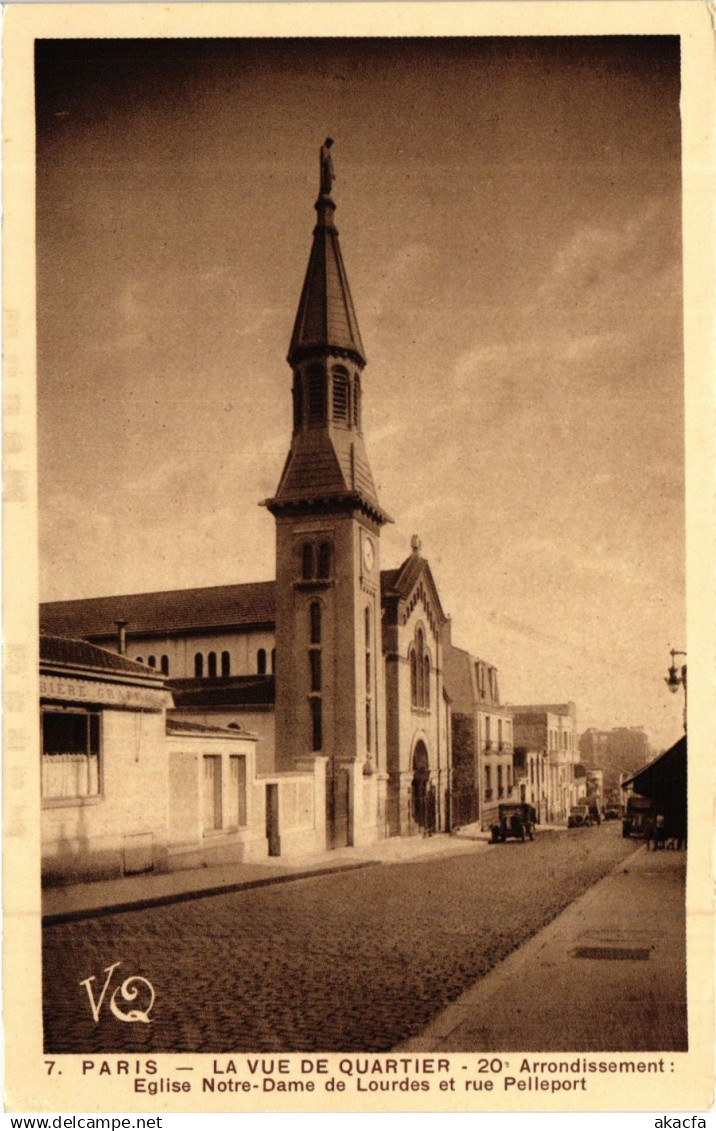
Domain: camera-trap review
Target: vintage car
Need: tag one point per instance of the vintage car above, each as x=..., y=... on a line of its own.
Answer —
x=579, y=817
x=612, y=813
x=514, y=818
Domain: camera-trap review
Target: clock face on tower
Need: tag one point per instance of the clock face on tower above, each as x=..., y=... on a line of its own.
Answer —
x=368, y=555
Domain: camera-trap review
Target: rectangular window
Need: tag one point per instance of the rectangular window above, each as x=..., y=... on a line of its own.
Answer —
x=488, y=739
x=316, y=724
x=500, y=789
x=70, y=754
x=488, y=782
x=499, y=733
x=314, y=657
x=236, y=809
x=211, y=793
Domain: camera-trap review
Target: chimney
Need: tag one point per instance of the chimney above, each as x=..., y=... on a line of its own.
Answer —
x=121, y=636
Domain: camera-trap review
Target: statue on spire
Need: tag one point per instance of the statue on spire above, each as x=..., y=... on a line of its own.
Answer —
x=328, y=175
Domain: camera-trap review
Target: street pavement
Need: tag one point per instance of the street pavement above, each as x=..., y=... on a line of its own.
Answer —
x=356, y=960
x=608, y=974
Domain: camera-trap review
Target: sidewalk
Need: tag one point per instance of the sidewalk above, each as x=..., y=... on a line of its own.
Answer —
x=608, y=974
x=134, y=893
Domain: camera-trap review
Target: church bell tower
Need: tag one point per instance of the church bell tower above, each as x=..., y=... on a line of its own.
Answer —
x=330, y=694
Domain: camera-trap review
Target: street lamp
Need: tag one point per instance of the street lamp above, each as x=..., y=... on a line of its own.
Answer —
x=676, y=678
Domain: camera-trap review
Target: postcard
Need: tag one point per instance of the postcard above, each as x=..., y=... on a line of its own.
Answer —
x=357, y=557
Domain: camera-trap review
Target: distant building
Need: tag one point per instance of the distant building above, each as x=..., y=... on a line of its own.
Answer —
x=483, y=771
x=622, y=750
x=545, y=734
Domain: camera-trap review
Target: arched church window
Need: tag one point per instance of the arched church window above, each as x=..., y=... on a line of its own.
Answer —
x=226, y=663
x=165, y=665
x=413, y=677
x=324, y=560
x=419, y=649
x=356, y=403
x=307, y=561
x=261, y=661
x=341, y=393
x=315, y=615
x=140, y=660
x=316, y=396
x=212, y=665
x=152, y=661
x=426, y=683
x=297, y=401
x=198, y=666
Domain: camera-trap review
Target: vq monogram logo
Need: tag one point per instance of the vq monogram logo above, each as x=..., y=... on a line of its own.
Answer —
x=128, y=991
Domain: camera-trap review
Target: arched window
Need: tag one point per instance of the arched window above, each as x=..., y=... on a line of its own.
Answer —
x=140, y=660
x=324, y=560
x=273, y=661
x=426, y=681
x=307, y=561
x=165, y=665
x=316, y=396
x=198, y=666
x=341, y=392
x=261, y=661
x=356, y=403
x=152, y=661
x=419, y=649
x=413, y=678
x=212, y=665
x=226, y=663
x=315, y=614
x=297, y=402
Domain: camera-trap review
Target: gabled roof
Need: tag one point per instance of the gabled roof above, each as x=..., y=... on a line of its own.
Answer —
x=399, y=583
x=174, y=610
x=70, y=652
x=177, y=727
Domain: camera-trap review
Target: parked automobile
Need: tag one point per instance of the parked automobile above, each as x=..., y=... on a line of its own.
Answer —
x=516, y=819
x=579, y=817
x=638, y=811
x=612, y=814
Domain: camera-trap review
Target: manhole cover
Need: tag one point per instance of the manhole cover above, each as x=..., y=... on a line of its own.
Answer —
x=638, y=954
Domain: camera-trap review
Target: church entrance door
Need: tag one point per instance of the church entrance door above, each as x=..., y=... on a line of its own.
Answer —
x=421, y=775
x=337, y=806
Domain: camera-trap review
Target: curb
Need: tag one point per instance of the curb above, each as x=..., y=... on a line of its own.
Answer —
x=103, y=910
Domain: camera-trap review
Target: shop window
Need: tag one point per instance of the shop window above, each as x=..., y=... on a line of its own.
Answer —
x=70, y=754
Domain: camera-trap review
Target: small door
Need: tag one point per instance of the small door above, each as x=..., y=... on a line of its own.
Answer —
x=337, y=808
x=211, y=797
x=272, y=829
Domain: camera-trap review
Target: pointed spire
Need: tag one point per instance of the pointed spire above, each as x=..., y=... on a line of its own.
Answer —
x=326, y=319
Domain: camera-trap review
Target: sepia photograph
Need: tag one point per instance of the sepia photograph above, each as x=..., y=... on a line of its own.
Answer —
x=361, y=519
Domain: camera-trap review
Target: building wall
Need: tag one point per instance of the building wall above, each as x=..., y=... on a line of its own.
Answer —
x=124, y=829
x=257, y=721
x=410, y=725
x=242, y=646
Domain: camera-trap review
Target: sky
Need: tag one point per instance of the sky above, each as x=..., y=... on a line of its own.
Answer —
x=510, y=219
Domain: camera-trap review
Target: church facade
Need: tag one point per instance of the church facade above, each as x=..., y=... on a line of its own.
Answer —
x=336, y=666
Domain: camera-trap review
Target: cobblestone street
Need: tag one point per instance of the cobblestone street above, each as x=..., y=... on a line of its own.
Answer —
x=355, y=961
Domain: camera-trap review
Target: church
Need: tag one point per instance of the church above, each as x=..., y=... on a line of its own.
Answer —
x=334, y=670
